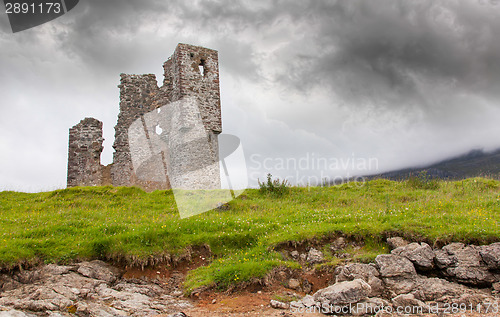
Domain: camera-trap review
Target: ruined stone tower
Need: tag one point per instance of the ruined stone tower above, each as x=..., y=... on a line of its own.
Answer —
x=84, y=157
x=165, y=136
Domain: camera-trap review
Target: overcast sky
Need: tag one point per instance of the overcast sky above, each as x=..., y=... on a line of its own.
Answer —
x=405, y=82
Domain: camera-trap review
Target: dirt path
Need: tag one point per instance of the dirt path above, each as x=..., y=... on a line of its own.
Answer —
x=245, y=303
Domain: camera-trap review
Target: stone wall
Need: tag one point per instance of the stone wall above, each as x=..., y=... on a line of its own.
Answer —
x=84, y=155
x=167, y=134
x=139, y=94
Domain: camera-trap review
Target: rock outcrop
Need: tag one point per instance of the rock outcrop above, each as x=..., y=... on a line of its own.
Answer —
x=85, y=289
x=413, y=279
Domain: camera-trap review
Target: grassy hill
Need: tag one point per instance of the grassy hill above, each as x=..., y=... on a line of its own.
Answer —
x=129, y=226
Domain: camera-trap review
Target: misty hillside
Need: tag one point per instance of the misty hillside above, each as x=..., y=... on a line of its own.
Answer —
x=475, y=163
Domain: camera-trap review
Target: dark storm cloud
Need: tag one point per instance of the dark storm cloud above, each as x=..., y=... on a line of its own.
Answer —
x=383, y=50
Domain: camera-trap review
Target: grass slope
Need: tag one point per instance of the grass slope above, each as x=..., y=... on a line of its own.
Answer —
x=134, y=227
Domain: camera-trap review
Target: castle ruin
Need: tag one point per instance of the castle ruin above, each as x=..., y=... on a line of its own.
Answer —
x=165, y=137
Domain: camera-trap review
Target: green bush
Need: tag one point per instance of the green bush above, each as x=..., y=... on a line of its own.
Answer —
x=274, y=187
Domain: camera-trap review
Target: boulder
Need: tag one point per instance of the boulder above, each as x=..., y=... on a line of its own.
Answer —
x=491, y=255
x=396, y=242
x=366, y=272
x=391, y=265
x=99, y=270
x=308, y=301
x=407, y=303
x=343, y=293
x=465, y=264
x=421, y=255
x=399, y=285
x=278, y=305
x=315, y=256
x=437, y=289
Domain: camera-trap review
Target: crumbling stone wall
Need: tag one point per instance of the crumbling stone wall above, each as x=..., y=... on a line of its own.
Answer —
x=139, y=94
x=84, y=157
x=167, y=136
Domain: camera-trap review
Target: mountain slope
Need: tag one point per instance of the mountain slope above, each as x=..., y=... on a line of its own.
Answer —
x=475, y=163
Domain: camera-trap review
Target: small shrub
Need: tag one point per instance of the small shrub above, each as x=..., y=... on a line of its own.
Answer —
x=422, y=181
x=274, y=187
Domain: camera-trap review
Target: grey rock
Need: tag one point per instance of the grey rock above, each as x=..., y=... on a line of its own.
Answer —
x=308, y=301
x=396, y=242
x=465, y=264
x=53, y=269
x=421, y=255
x=343, y=293
x=409, y=302
x=295, y=255
x=366, y=272
x=57, y=288
x=391, y=265
x=437, y=289
x=491, y=255
x=278, y=305
x=99, y=270
x=150, y=290
x=443, y=259
x=294, y=284
x=399, y=285
x=315, y=256
x=368, y=306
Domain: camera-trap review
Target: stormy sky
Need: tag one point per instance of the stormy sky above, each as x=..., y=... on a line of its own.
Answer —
x=366, y=86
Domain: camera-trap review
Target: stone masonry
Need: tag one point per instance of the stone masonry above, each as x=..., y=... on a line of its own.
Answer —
x=165, y=136
x=84, y=159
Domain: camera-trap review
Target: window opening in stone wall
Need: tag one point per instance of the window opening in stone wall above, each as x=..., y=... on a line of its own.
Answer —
x=158, y=130
x=201, y=67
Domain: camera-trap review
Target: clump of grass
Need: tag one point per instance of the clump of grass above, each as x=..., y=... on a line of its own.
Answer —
x=274, y=187
x=422, y=181
x=236, y=268
x=286, y=298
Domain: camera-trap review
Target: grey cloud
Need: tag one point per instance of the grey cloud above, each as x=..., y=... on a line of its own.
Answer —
x=383, y=48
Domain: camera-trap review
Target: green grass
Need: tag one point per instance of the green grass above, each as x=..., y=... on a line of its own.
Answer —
x=130, y=226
